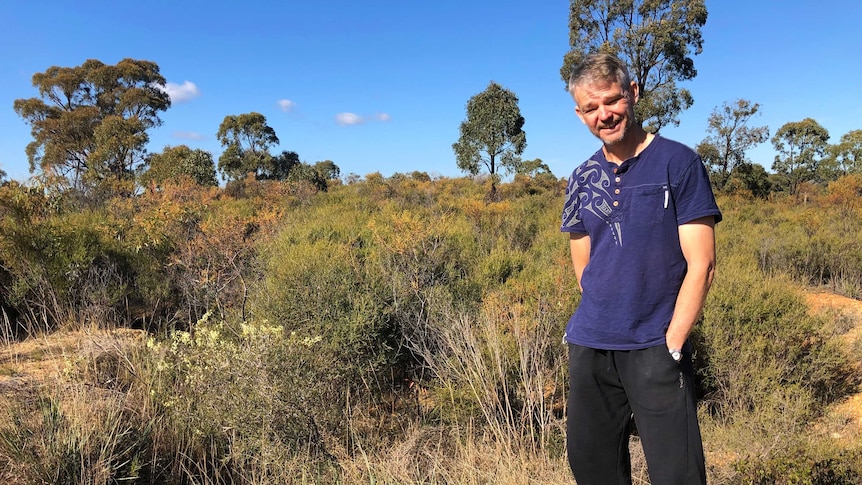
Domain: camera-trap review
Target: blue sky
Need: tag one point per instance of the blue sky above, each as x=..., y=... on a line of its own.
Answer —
x=381, y=85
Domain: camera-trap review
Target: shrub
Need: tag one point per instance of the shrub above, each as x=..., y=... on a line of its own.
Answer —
x=757, y=339
x=797, y=466
x=766, y=366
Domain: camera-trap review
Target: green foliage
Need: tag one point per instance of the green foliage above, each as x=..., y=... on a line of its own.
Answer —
x=533, y=167
x=246, y=139
x=767, y=367
x=174, y=162
x=241, y=400
x=499, y=266
x=845, y=157
x=319, y=282
x=64, y=270
x=164, y=257
x=762, y=355
x=798, y=467
x=816, y=244
x=492, y=135
x=281, y=167
x=327, y=169
x=749, y=178
x=656, y=39
x=303, y=172
x=729, y=138
x=800, y=145
x=91, y=123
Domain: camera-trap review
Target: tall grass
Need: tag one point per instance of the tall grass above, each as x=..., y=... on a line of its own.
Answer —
x=81, y=426
x=502, y=369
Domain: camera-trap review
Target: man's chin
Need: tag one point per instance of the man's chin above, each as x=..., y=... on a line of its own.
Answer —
x=612, y=140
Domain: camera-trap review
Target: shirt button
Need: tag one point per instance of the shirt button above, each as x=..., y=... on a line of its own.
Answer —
x=618, y=179
x=617, y=191
x=616, y=203
x=615, y=170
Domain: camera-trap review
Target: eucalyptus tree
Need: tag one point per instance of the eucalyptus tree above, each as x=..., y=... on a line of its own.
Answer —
x=533, y=167
x=655, y=38
x=304, y=172
x=846, y=155
x=280, y=166
x=247, y=139
x=90, y=122
x=492, y=135
x=751, y=177
x=177, y=161
x=327, y=169
x=801, y=145
x=729, y=137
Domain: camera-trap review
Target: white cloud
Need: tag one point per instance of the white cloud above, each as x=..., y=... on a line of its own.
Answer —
x=346, y=119
x=286, y=105
x=181, y=92
x=188, y=135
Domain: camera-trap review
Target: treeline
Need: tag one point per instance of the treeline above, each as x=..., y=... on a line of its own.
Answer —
x=90, y=128
x=805, y=161
x=296, y=334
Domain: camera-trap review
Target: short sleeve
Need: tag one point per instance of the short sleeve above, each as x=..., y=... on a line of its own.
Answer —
x=572, y=221
x=693, y=196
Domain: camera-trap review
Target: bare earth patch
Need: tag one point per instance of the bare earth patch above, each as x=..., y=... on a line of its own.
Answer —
x=843, y=422
x=35, y=361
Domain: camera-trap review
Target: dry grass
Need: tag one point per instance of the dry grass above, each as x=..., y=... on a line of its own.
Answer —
x=449, y=455
x=97, y=418
x=65, y=394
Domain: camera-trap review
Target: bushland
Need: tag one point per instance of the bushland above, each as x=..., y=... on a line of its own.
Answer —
x=397, y=330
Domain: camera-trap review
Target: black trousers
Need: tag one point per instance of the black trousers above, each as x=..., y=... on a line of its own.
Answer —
x=607, y=388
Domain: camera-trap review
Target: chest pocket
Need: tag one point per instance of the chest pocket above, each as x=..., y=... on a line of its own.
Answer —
x=648, y=205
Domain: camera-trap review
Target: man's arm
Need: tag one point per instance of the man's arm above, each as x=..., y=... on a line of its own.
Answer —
x=580, y=247
x=697, y=239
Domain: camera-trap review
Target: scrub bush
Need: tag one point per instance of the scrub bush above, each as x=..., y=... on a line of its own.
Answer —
x=767, y=367
x=798, y=466
x=301, y=337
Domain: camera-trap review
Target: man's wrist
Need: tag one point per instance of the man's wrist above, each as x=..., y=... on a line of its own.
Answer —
x=676, y=354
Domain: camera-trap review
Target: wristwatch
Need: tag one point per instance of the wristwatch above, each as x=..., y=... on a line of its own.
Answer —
x=676, y=354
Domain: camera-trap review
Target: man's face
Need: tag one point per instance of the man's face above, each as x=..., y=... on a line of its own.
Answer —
x=606, y=108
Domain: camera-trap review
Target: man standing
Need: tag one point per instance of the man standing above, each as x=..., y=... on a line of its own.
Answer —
x=641, y=216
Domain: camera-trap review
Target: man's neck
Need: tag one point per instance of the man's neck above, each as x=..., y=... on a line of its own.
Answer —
x=630, y=147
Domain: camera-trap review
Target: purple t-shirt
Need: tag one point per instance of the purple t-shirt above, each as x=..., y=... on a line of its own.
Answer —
x=631, y=213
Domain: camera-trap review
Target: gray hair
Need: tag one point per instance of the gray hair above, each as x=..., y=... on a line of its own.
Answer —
x=604, y=68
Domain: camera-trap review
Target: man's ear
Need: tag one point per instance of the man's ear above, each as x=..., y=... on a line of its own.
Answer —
x=635, y=90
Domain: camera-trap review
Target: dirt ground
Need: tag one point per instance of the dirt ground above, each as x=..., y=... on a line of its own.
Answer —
x=27, y=364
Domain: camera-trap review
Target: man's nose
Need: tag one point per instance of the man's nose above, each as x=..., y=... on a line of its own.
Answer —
x=604, y=112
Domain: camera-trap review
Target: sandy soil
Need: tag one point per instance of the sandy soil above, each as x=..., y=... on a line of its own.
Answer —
x=843, y=422
x=25, y=365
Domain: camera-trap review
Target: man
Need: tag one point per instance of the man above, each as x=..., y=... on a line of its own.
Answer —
x=641, y=216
